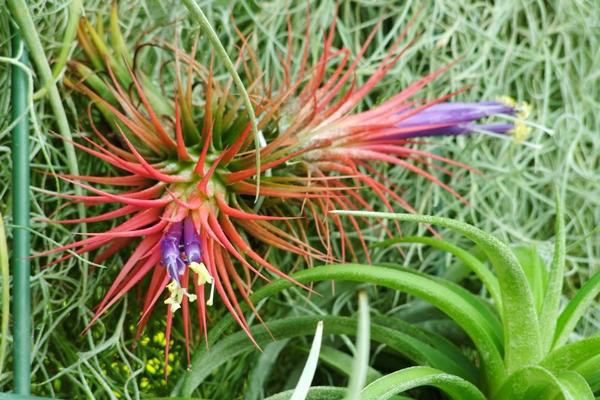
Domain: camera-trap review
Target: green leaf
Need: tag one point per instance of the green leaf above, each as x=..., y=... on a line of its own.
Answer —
x=575, y=309
x=205, y=362
x=361, y=356
x=572, y=355
x=173, y=398
x=493, y=325
x=472, y=262
x=409, y=378
x=434, y=340
x=535, y=271
x=488, y=313
x=315, y=393
x=590, y=371
x=342, y=362
x=303, y=386
x=536, y=382
x=574, y=384
x=445, y=299
x=262, y=367
x=549, y=313
x=521, y=330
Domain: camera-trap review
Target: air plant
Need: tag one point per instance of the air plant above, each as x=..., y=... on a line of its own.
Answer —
x=190, y=171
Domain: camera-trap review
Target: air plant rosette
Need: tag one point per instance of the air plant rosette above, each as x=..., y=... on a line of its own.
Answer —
x=191, y=174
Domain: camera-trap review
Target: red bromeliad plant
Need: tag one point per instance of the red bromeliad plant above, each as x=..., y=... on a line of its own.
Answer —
x=190, y=172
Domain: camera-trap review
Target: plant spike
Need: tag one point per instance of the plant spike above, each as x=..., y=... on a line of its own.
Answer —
x=190, y=172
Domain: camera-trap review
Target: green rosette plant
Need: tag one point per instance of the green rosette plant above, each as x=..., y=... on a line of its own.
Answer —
x=520, y=335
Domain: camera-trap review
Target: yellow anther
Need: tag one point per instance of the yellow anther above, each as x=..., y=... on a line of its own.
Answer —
x=176, y=296
x=522, y=109
x=201, y=273
x=509, y=101
x=203, y=277
x=520, y=132
x=145, y=340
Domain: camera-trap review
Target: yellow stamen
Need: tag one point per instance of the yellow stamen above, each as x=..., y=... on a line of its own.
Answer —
x=203, y=277
x=520, y=132
x=176, y=296
x=201, y=273
x=523, y=109
x=509, y=101
x=212, y=292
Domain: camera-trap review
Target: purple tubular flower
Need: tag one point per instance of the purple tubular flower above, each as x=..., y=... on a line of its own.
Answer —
x=169, y=251
x=457, y=117
x=459, y=129
x=191, y=244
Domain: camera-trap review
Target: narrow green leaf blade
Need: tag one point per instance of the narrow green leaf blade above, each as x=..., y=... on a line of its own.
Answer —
x=576, y=309
x=532, y=382
x=445, y=299
x=409, y=378
x=262, y=367
x=303, y=386
x=590, y=371
x=549, y=312
x=205, y=362
x=342, y=362
x=477, y=267
x=576, y=386
x=572, y=355
x=361, y=357
x=535, y=270
x=430, y=339
x=522, y=338
x=315, y=393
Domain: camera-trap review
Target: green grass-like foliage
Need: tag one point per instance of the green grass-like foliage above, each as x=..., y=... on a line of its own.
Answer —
x=520, y=342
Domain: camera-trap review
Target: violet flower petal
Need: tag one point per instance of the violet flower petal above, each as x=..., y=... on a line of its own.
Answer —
x=170, y=256
x=191, y=243
x=455, y=113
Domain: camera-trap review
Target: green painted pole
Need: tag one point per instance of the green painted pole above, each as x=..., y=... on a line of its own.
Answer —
x=20, y=202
